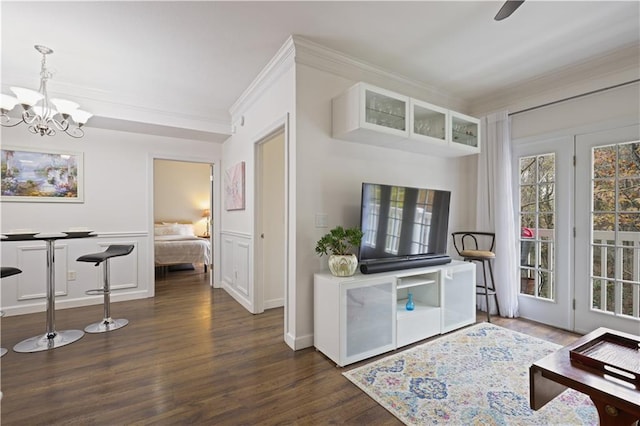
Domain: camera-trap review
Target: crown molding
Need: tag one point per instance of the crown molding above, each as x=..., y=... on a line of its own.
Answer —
x=326, y=59
x=124, y=115
x=278, y=65
x=299, y=50
x=606, y=70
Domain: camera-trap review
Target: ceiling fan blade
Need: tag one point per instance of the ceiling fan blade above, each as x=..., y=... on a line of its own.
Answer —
x=507, y=9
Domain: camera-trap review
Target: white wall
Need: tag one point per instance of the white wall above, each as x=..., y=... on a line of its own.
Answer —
x=330, y=173
x=263, y=115
x=325, y=176
x=607, y=109
x=181, y=192
x=118, y=204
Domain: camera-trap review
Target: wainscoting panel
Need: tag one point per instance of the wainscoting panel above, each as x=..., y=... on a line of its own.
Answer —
x=123, y=269
x=226, y=269
x=236, y=271
x=26, y=292
x=32, y=283
x=241, y=255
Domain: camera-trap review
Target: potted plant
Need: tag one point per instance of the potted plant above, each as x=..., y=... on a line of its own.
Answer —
x=339, y=244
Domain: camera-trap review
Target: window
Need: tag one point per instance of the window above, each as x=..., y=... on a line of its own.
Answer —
x=537, y=225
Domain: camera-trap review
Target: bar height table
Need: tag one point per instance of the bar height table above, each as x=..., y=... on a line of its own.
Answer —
x=52, y=338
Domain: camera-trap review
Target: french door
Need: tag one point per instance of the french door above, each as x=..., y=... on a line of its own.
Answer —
x=543, y=183
x=607, y=243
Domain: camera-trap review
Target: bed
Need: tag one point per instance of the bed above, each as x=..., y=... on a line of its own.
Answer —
x=177, y=244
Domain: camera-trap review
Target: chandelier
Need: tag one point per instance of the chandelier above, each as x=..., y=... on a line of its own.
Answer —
x=42, y=115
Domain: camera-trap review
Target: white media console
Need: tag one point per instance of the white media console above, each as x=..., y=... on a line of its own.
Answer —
x=365, y=315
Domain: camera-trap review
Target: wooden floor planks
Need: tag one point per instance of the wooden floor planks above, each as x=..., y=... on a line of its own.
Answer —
x=191, y=355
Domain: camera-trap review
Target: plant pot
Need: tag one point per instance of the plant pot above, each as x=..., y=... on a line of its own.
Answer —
x=343, y=265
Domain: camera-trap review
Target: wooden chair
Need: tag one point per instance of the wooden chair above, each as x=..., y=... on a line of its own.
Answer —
x=475, y=246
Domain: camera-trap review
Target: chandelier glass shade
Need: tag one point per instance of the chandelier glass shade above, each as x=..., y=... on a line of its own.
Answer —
x=43, y=116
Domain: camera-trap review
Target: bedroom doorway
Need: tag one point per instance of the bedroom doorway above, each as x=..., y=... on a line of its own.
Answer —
x=182, y=215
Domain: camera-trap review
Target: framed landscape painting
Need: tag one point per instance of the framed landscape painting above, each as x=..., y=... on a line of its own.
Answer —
x=41, y=176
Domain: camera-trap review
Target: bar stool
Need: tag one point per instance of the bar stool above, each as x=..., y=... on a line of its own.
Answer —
x=466, y=244
x=107, y=323
x=7, y=271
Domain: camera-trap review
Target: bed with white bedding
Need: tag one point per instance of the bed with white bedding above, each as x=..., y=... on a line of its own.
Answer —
x=176, y=244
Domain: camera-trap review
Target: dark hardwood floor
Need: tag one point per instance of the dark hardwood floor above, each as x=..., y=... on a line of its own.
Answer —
x=191, y=355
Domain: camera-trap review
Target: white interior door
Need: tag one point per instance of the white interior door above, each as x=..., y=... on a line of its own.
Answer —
x=272, y=182
x=607, y=240
x=543, y=180
x=270, y=244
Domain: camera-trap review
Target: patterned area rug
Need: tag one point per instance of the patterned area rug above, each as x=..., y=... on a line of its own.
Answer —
x=478, y=375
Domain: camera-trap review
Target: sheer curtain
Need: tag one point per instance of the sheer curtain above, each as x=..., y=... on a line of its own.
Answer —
x=494, y=209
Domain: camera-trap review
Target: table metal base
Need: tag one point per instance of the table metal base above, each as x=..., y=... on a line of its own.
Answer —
x=43, y=343
x=106, y=325
x=3, y=351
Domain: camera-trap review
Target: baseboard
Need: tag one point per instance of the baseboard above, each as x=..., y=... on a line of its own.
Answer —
x=237, y=296
x=273, y=303
x=297, y=343
x=41, y=305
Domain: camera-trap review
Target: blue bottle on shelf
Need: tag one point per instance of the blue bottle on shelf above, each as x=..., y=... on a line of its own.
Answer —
x=410, y=305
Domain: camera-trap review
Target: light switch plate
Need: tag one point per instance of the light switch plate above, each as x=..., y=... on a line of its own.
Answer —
x=322, y=220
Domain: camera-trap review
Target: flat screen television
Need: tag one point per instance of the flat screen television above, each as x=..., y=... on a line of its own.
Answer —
x=403, y=227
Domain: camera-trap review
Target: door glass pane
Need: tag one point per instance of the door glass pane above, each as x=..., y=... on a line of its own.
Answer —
x=528, y=170
x=615, y=234
x=537, y=209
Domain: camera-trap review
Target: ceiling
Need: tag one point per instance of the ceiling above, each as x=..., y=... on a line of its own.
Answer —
x=181, y=62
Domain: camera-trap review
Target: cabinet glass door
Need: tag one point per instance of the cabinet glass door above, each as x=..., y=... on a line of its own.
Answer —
x=428, y=120
x=385, y=110
x=464, y=130
x=369, y=319
x=459, y=307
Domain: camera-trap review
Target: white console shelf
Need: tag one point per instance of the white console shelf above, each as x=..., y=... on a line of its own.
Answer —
x=365, y=315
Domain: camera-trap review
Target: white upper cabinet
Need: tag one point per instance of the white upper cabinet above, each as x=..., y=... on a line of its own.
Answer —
x=368, y=114
x=429, y=123
x=375, y=116
x=465, y=132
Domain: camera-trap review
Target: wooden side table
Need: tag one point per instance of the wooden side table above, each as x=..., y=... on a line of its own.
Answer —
x=617, y=403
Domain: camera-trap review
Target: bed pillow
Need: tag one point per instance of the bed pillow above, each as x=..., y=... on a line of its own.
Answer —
x=174, y=229
x=184, y=229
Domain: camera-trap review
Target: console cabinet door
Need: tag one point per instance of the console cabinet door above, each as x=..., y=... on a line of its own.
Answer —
x=367, y=316
x=459, y=304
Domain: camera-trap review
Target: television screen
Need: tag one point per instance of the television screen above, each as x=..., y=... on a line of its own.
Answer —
x=403, y=223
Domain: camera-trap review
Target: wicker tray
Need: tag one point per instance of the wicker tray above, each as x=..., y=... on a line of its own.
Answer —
x=610, y=354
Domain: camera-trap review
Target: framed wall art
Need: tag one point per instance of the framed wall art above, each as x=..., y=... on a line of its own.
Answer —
x=42, y=175
x=234, y=187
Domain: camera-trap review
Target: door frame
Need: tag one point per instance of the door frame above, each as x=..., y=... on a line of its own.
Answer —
x=214, y=197
x=583, y=145
x=531, y=307
x=259, y=247
x=279, y=126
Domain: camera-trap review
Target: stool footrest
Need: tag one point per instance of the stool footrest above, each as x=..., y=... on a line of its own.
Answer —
x=95, y=292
